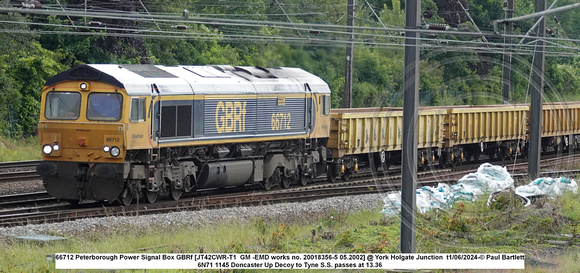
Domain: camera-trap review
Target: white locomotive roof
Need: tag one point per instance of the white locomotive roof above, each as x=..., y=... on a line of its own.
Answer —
x=198, y=80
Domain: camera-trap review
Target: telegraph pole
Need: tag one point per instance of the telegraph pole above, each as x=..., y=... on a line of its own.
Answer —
x=347, y=95
x=507, y=55
x=537, y=91
x=410, y=105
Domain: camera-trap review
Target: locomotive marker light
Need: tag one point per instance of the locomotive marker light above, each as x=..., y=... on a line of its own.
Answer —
x=84, y=86
x=106, y=149
x=55, y=147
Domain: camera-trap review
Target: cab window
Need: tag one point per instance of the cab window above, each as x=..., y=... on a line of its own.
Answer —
x=137, y=109
x=62, y=105
x=104, y=106
x=326, y=105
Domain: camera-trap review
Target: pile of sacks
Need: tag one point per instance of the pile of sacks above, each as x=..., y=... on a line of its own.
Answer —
x=488, y=178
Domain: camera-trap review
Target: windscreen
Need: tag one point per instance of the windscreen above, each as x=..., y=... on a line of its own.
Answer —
x=63, y=105
x=104, y=106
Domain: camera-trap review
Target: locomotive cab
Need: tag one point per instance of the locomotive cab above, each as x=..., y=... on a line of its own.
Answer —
x=82, y=133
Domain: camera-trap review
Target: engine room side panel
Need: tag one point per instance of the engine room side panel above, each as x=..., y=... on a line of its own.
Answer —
x=281, y=114
x=230, y=117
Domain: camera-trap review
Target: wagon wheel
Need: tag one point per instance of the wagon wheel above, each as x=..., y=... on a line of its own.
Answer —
x=346, y=175
x=456, y=161
x=176, y=193
x=443, y=161
x=425, y=164
x=330, y=173
x=468, y=155
x=386, y=166
x=476, y=157
x=504, y=154
x=126, y=198
x=375, y=162
x=150, y=196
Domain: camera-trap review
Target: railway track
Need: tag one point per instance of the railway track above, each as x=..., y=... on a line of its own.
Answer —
x=19, y=176
x=23, y=199
x=9, y=175
x=364, y=182
x=208, y=202
x=19, y=164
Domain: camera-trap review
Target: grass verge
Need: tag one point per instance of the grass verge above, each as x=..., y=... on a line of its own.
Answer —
x=19, y=149
x=467, y=228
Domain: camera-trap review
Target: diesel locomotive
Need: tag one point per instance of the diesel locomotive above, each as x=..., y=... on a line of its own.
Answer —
x=119, y=132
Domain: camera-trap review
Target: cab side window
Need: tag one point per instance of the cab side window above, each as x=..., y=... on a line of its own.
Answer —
x=137, y=109
x=326, y=105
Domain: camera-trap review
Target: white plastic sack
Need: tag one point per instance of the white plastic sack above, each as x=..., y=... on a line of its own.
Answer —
x=548, y=186
x=465, y=192
x=528, y=190
x=427, y=198
x=392, y=204
x=488, y=178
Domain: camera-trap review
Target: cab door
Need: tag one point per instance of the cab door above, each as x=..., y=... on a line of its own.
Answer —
x=310, y=108
x=155, y=115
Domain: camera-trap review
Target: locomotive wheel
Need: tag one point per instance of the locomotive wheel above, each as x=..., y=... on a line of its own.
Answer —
x=128, y=199
x=176, y=193
x=268, y=184
x=286, y=181
x=272, y=180
x=149, y=196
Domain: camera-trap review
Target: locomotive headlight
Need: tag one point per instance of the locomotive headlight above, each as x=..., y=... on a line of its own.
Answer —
x=115, y=151
x=47, y=149
x=106, y=149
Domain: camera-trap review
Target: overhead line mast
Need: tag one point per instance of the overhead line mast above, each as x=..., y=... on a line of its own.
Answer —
x=507, y=55
x=347, y=95
x=410, y=113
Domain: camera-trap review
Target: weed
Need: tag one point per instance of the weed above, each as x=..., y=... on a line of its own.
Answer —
x=260, y=226
x=345, y=239
x=277, y=237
